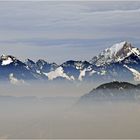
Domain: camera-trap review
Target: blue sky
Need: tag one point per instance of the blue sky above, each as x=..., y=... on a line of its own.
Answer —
x=59, y=31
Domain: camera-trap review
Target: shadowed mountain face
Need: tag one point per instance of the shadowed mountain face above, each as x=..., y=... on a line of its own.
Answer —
x=113, y=91
x=117, y=86
x=121, y=62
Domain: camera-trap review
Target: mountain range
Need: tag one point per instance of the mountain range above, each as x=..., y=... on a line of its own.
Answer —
x=118, y=62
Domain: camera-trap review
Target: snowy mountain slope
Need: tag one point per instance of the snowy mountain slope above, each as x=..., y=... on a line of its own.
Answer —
x=9, y=64
x=111, y=62
x=119, y=62
x=45, y=66
x=77, y=69
x=6, y=60
x=116, y=53
x=40, y=67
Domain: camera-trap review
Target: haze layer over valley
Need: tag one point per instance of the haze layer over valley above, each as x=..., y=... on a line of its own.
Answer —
x=94, y=115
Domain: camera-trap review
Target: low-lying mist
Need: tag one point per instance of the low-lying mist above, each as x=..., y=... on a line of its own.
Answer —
x=52, y=111
x=46, y=89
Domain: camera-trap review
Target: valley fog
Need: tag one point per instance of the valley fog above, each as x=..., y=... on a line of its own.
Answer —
x=29, y=113
x=46, y=89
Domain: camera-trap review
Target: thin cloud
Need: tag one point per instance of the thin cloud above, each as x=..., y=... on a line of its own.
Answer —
x=28, y=26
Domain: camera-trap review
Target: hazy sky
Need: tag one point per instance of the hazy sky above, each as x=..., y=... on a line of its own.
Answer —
x=58, y=31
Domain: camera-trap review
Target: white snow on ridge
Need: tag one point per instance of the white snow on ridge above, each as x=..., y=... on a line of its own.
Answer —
x=7, y=61
x=134, y=72
x=110, y=54
x=115, y=48
x=136, y=51
x=59, y=72
x=116, y=53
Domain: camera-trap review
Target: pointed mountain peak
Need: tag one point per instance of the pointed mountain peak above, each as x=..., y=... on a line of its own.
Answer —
x=119, y=49
x=4, y=57
x=115, y=53
x=7, y=59
x=29, y=61
x=41, y=61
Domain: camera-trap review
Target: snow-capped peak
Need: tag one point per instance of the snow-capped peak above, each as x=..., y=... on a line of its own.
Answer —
x=7, y=59
x=116, y=53
x=115, y=49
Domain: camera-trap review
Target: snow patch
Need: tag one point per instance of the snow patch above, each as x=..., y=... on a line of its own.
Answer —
x=38, y=71
x=59, y=72
x=27, y=67
x=6, y=61
x=134, y=72
x=103, y=72
x=83, y=72
x=136, y=51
